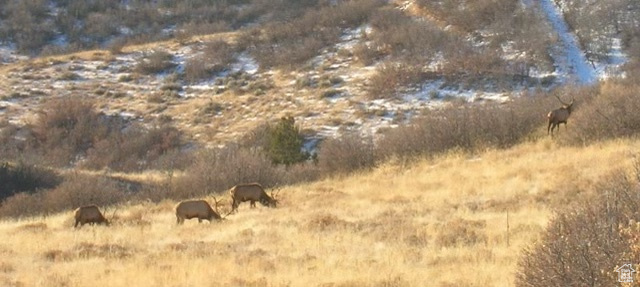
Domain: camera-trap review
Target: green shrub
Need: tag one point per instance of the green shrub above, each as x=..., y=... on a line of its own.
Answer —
x=284, y=142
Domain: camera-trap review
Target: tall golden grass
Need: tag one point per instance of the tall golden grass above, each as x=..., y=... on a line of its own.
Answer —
x=438, y=222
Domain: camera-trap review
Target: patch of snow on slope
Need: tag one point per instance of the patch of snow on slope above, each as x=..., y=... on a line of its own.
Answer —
x=570, y=59
x=8, y=55
x=617, y=58
x=245, y=63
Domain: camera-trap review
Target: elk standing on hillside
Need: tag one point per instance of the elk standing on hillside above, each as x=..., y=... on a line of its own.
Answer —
x=199, y=209
x=89, y=214
x=251, y=192
x=559, y=116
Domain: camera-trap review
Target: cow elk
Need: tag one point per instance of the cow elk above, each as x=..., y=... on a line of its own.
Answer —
x=251, y=192
x=89, y=214
x=559, y=116
x=199, y=209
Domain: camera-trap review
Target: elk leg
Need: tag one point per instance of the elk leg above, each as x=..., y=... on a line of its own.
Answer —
x=253, y=203
x=234, y=205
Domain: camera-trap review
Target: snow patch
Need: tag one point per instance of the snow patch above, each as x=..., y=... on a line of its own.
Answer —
x=569, y=58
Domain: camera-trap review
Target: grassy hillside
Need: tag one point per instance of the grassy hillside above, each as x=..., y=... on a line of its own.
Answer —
x=456, y=220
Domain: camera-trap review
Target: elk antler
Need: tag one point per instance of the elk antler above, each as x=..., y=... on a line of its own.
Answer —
x=275, y=193
x=113, y=215
x=216, y=201
x=562, y=101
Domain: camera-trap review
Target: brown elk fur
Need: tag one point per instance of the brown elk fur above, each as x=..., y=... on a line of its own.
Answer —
x=559, y=116
x=199, y=209
x=251, y=192
x=89, y=214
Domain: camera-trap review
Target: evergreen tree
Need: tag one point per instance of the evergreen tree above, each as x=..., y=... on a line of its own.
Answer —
x=284, y=142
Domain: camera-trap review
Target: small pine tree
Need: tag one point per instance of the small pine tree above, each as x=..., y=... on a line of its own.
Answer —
x=284, y=142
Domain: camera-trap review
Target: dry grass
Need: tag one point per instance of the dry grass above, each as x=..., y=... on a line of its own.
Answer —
x=395, y=226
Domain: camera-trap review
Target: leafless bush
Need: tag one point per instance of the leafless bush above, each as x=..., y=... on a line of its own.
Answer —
x=366, y=54
x=346, y=154
x=217, y=170
x=584, y=243
x=65, y=127
x=216, y=57
x=599, y=23
x=135, y=149
x=155, y=62
x=192, y=28
x=22, y=177
x=406, y=38
x=21, y=205
x=390, y=77
x=608, y=113
x=76, y=190
x=294, y=42
x=466, y=127
x=69, y=131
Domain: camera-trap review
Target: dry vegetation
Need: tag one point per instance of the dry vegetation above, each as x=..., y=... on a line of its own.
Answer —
x=398, y=225
x=462, y=195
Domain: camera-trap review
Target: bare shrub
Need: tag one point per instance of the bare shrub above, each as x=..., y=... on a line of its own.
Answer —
x=79, y=190
x=66, y=127
x=134, y=149
x=155, y=62
x=187, y=30
x=217, y=170
x=216, y=57
x=285, y=44
x=23, y=177
x=366, y=54
x=346, y=154
x=585, y=242
x=69, y=132
x=608, y=113
x=406, y=38
x=22, y=205
x=76, y=190
x=100, y=26
x=466, y=127
x=390, y=77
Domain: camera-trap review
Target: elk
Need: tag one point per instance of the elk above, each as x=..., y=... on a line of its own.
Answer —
x=559, y=116
x=89, y=214
x=251, y=192
x=199, y=209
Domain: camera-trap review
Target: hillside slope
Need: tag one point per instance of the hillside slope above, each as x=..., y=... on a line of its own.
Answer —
x=367, y=65
x=393, y=226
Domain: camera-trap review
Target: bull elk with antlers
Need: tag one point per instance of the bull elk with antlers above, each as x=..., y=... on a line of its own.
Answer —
x=89, y=214
x=559, y=116
x=199, y=209
x=251, y=192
